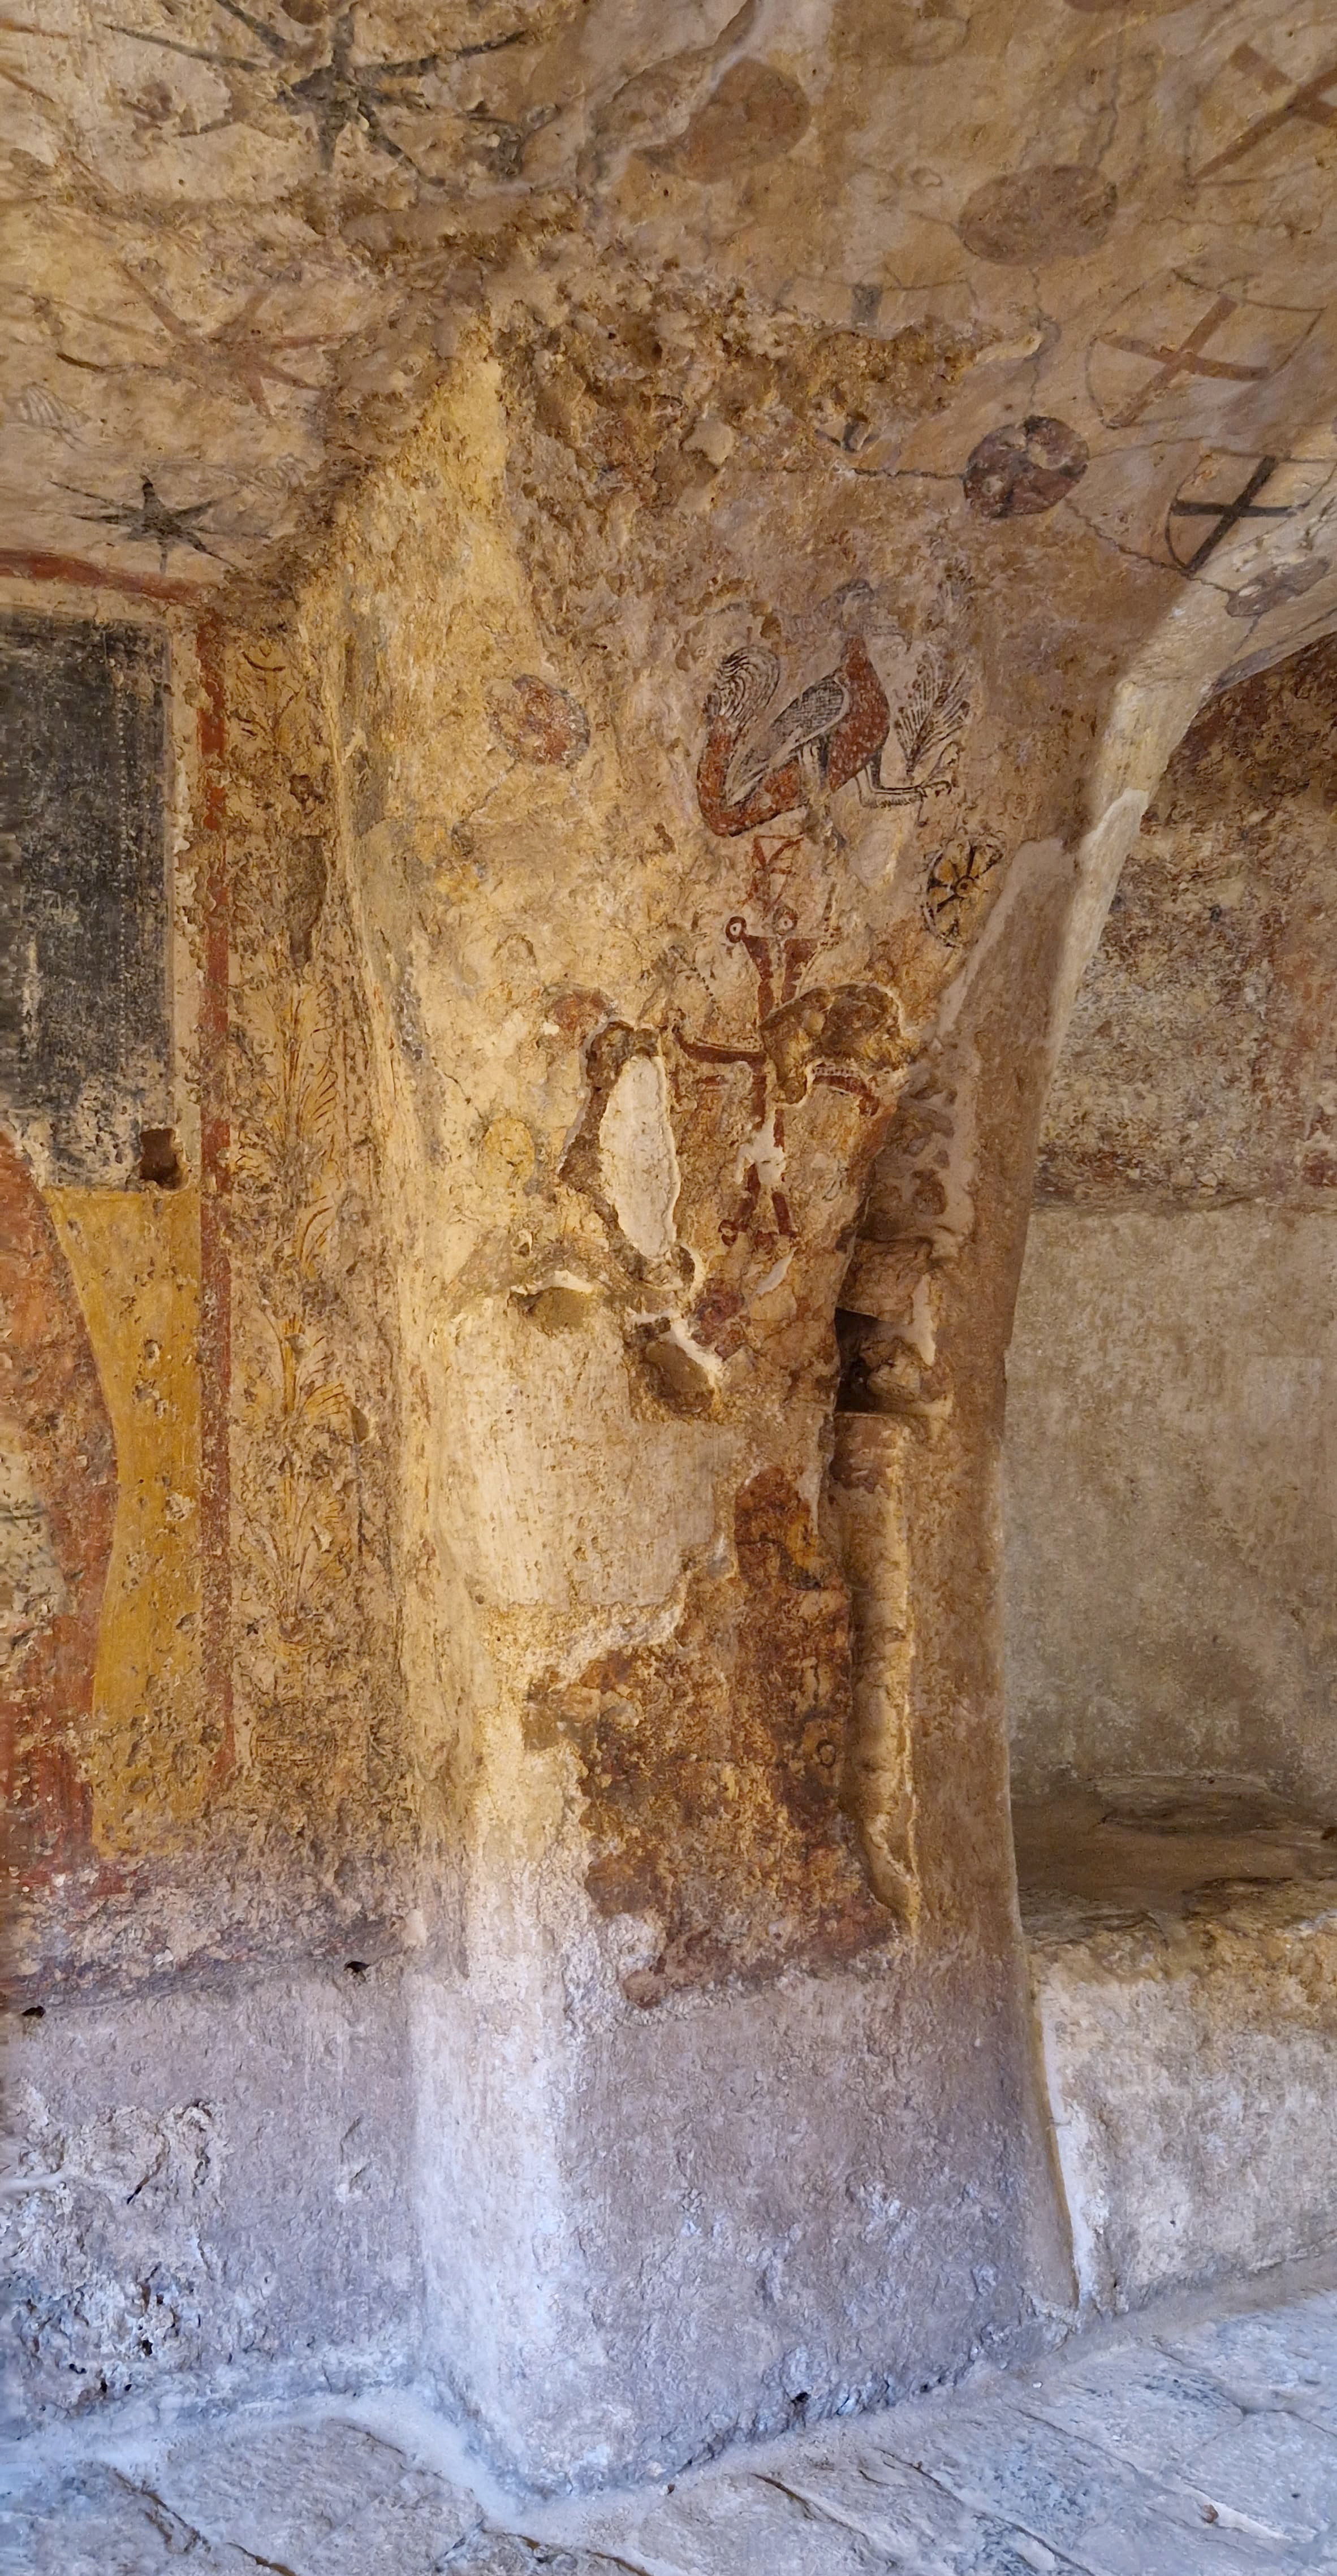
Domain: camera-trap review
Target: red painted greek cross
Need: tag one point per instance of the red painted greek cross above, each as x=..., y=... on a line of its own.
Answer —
x=1308, y=102
x=1189, y=359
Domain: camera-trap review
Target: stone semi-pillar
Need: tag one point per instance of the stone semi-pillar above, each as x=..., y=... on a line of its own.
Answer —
x=720, y=855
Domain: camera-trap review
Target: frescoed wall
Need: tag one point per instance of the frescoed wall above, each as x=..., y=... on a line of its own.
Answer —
x=101, y=1257
x=59, y=1504
x=683, y=541
x=193, y=1531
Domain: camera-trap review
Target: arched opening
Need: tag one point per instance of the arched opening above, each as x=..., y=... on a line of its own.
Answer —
x=1171, y=1535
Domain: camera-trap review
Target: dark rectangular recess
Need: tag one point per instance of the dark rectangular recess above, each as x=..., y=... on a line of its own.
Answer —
x=84, y=1018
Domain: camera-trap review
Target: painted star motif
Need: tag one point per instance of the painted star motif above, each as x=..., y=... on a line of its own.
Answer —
x=150, y=522
x=341, y=93
x=232, y=354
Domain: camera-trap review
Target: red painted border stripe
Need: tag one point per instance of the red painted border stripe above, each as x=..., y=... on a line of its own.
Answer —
x=18, y=565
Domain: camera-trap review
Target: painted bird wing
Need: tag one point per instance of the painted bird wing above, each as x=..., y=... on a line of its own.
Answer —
x=808, y=718
x=743, y=687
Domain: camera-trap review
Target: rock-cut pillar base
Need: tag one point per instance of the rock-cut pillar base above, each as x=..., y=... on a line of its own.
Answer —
x=721, y=2217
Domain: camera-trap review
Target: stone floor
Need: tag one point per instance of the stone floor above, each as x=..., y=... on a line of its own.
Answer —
x=1201, y=2436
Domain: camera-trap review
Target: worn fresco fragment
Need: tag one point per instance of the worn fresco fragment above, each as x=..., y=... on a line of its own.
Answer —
x=1042, y=213
x=754, y=114
x=135, y=1258
x=58, y=1457
x=323, y=76
x=235, y=356
x=1201, y=1064
x=1225, y=492
x=1172, y=342
x=955, y=882
x=1258, y=101
x=317, y=1694
x=755, y=766
x=199, y=1635
x=1024, y=468
x=151, y=521
x=710, y=1767
x=541, y=723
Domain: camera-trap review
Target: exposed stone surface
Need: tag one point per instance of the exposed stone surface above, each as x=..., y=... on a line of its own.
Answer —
x=1203, y=2440
x=1078, y=2502
x=1263, y=2363
x=1169, y=2179
x=1275, y=2471
x=1113, y=2457
x=1172, y=1548
x=1171, y=1559
x=159, y=2165
x=706, y=2240
x=99, y=2523
x=1167, y=1846
x=492, y=2553
x=323, y=2499
x=909, y=2518
x=1137, y=2400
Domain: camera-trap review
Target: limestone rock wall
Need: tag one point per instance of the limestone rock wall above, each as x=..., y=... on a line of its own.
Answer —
x=1172, y=1439
x=706, y=1071
x=203, y=2194
x=640, y=1038
x=1201, y=1063
x=214, y=1813
x=321, y=1773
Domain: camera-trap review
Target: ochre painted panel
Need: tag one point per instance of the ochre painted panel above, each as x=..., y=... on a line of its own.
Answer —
x=135, y=1260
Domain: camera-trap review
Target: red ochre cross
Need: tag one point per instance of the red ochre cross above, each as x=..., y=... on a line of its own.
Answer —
x=1186, y=360
x=1307, y=101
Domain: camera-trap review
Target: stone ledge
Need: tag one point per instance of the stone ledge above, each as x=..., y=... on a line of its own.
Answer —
x=1192, y=2078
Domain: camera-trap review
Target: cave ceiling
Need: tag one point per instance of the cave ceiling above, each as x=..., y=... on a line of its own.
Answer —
x=242, y=242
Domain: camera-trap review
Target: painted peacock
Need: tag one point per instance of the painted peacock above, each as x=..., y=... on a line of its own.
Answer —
x=755, y=767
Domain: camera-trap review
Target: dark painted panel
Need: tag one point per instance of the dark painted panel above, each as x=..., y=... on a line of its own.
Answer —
x=84, y=1029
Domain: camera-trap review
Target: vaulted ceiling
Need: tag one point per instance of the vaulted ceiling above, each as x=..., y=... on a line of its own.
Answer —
x=242, y=240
